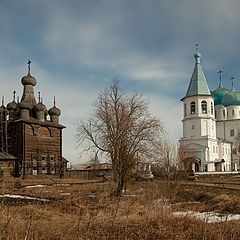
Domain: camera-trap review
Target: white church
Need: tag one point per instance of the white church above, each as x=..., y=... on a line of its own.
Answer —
x=211, y=124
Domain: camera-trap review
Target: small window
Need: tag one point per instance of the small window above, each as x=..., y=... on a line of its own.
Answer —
x=43, y=168
x=211, y=108
x=185, y=109
x=234, y=151
x=193, y=108
x=52, y=158
x=193, y=126
x=232, y=112
x=43, y=158
x=231, y=133
x=214, y=149
x=204, y=107
x=224, y=113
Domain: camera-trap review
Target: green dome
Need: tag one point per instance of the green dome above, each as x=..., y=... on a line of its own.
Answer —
x=218, y=94
x=231, y=99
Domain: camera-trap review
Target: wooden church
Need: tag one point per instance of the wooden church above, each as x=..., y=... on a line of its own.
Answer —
x=31, y=136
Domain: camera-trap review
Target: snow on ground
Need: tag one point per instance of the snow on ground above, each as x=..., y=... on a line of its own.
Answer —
x=22, y=197
x=209, y=217
x=41, y=185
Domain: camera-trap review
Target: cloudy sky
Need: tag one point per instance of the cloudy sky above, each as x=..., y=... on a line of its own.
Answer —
x=78, y=46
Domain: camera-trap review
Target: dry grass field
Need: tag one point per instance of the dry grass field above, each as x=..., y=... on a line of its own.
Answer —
x=89, y=211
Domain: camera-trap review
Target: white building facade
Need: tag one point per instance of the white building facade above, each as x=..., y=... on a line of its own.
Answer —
x=210, y=124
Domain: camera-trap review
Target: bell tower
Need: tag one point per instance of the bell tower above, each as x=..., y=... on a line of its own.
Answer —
x=198, y=104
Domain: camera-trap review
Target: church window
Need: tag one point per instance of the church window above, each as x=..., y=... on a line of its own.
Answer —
x=233, y=112
x=224, y=113
x=204, y=107
x=185, y=109
x=193, y=107
x=231, y=133
x=211, y=108
x=214, y=149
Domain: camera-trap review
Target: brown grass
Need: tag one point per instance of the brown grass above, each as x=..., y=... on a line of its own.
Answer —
x=91, y=212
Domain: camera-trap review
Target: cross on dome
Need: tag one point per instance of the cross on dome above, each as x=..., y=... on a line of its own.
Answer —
x=14, y=95
x=220, y=77
x=29, y=63
x=196, y=47
x=232, y=78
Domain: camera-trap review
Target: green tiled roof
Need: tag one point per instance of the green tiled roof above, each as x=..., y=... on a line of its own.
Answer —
x=198, y=84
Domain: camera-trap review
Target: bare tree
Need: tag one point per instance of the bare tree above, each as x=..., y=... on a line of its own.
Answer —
x=121, y=128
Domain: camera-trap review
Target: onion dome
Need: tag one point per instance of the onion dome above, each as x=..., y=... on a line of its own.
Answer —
x=54, y=110
x=40, y=107
x=219, y=93
x=3, y=108
x=29, y=79
x=24, y=105
x=231, y=99
x=12, y=105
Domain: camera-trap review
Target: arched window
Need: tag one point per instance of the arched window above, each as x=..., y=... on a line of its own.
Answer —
x=193, y=107
x=232, y=112
x=231, y=133
x=204, y=106
x=224, y=113
x=185, y=109
x=211, y=108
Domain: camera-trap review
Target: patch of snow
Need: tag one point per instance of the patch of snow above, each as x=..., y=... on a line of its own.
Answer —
x=209, y=217
x=65, y=194
x=91, y=196
x=61, y=184
x=41, y=185
x=36, y=186
x=23, y=197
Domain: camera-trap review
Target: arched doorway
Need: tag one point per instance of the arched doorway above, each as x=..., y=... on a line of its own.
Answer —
x=192, y=164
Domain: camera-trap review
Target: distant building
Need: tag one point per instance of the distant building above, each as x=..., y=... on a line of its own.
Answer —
x=90, y=171
x=31, y=134
x=211, y=123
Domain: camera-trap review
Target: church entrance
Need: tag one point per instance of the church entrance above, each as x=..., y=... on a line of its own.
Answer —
x=192, y=164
